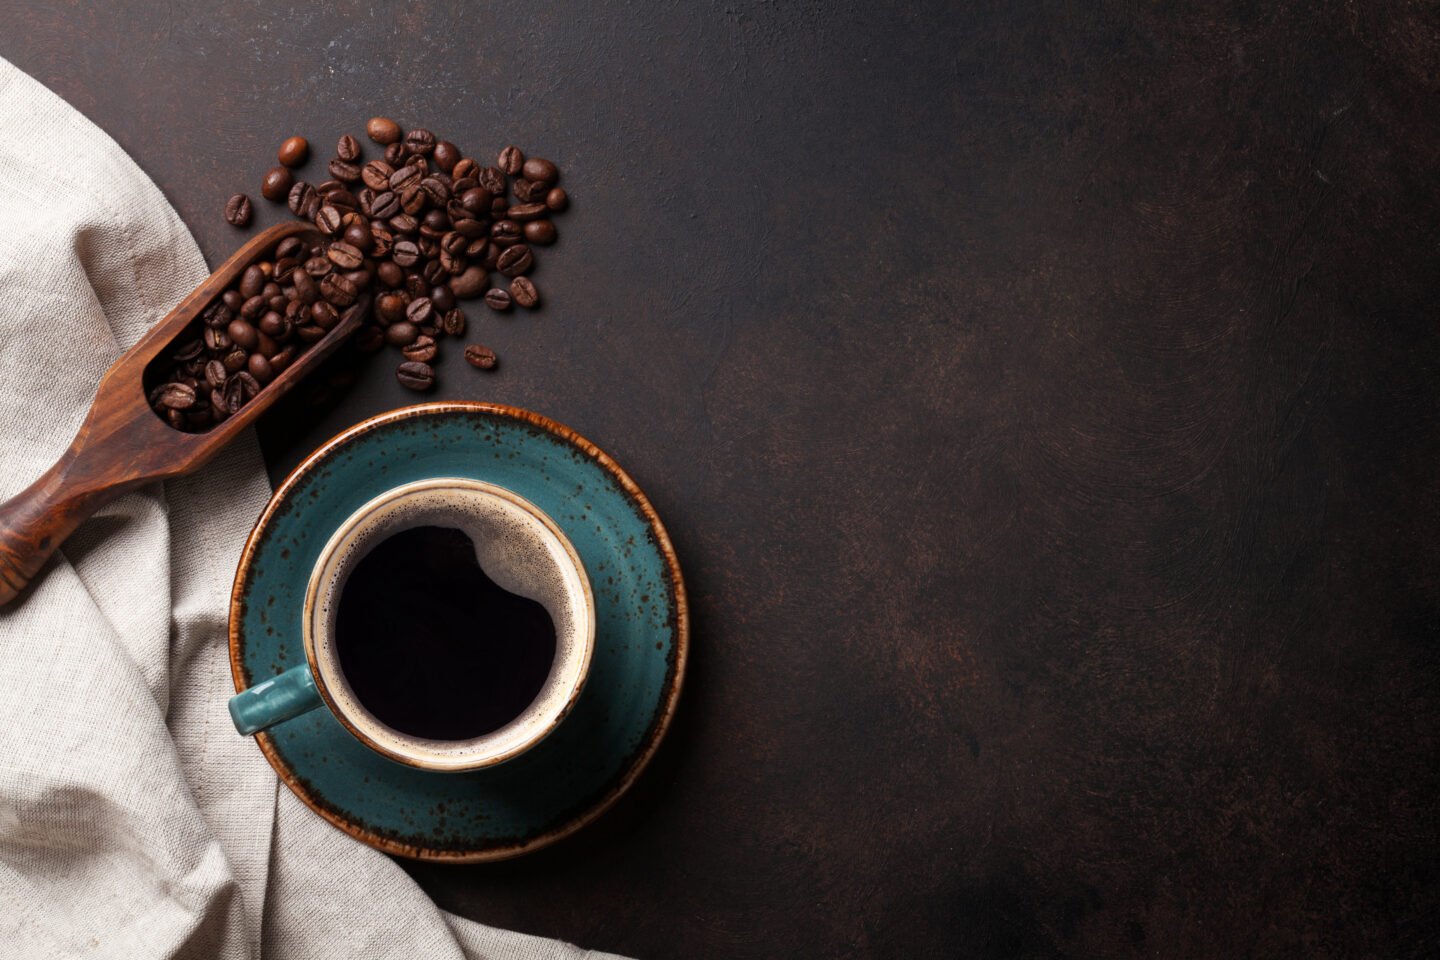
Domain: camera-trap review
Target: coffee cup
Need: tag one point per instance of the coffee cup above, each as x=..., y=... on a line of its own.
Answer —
x=448, y=625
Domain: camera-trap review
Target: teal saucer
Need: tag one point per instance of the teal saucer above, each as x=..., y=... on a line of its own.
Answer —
x=642, y=633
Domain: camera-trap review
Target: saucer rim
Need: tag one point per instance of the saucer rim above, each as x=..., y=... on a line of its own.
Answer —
x=653, y=736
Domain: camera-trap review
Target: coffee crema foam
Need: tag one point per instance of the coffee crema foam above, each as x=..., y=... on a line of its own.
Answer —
x=514, y=547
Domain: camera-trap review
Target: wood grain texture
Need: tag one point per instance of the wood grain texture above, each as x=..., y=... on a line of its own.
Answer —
x=1041, y=397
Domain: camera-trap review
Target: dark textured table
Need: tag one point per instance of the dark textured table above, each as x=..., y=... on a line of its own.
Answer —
x=1041, y=398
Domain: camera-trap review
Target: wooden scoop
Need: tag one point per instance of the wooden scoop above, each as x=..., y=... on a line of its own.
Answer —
x=123, y=444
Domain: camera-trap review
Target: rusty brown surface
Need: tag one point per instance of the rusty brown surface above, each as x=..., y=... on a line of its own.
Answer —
x=1040, y=397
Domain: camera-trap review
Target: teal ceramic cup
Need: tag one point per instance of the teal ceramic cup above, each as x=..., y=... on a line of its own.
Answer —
x=517, y=545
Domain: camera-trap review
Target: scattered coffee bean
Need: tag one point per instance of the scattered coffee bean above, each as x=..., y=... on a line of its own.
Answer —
x=540, y=232
x=515, y=260
x=415, y=375
x=523, y=292
x=383, y=130
x=453, y=323
x=418, y=230
x=294, y=151
x=540, y=170
x=420, y=141
x=238, y=210
x=422, y=348
x=302, y=198
x=276, y=183
x=480, y=357
x=348, y=149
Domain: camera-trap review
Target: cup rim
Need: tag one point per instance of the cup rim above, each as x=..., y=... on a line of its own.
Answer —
x=553, y=717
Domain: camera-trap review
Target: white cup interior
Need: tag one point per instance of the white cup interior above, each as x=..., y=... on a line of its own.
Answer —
x=519, y=548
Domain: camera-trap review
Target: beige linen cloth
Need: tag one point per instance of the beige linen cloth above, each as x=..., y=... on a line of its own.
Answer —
x=134, y=822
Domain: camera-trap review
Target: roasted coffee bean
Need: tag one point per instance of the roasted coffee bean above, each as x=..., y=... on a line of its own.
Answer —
x=376, y=175
x=177, y=396
x=471, y=227
x=318, y=267
x=338, y=290
x=282, y=359
x=437, y=191
x=415, y=375
x=557, y=199
x=390, y=307
x=523, y=292
x=422, y=348
x=275, y=326
x=389, y=274
x=446, y=155
x=324, y=315
x=217, y=339
x=420, y=310
x=420, y=141
x=528, y=191
x=465, y=168
x=480, y=357
x=540, y=232
x=348, y=149
x=385, y=205
x=217, y=405
x=343, y=200
x=413, y=199
x=527, y=211
x=215, y=374
x=471, y=283
x=187, y=351
x=476, y=200
x=255, y=307
x=358, y=235
x=328, y=220
x=505, y=233
x=276, y=183
x=294, y=151
x=242, y=334
x=404, y=223
x=383, y=130
x=302, y=196
x=309, y=332
x=407, y=176
x=497, y=299
x=252, y=281
x=540, y=170
x=442, y=297
x=511, y=160
x=401, y=334
x=234, y=359
x=432, y=273
x=307, y=290
x=259, y=368
x=395, y=154
x=345, y=256
x=238, y=210
x=453, y=323
x=499, y=209
x=284, y=267
x=344, y=171
x=515, y=261
x=405, y=253
x=491, y=180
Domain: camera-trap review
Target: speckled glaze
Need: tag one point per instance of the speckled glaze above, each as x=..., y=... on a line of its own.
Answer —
x=635, y=672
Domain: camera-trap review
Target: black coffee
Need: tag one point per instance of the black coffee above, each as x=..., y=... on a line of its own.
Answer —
x=432, y=646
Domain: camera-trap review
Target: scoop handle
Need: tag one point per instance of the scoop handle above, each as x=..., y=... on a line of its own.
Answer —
x=35, y=521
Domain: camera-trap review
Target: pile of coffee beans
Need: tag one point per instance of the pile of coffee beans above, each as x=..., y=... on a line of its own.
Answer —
x=405, y=236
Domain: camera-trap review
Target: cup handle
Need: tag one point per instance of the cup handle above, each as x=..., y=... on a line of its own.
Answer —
x=275, y=700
